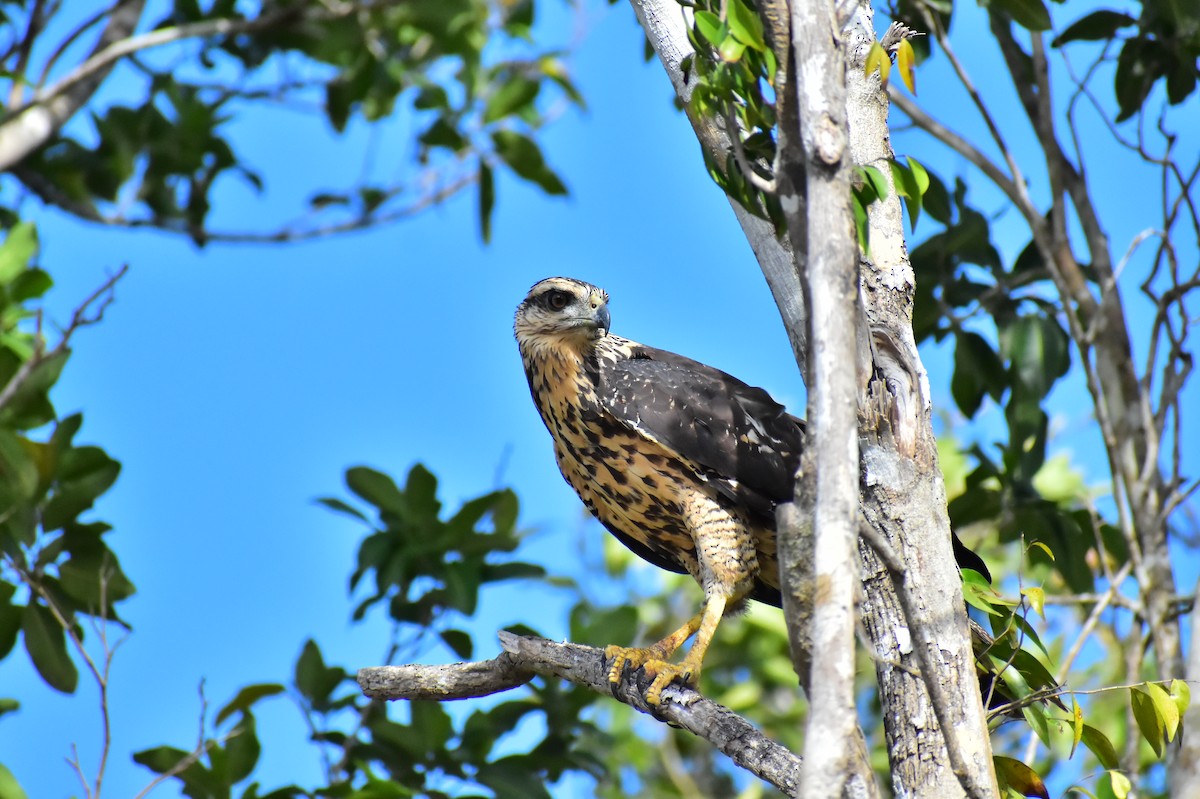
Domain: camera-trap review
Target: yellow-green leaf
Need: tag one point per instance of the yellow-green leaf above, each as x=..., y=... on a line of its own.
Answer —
x=1042, y=547
x=906, y=62
x=1182, y=695
x=1121, y=785
x=1168, y=711
x=1077, y=725
x=877, y=59
x=9, y=788
x=1037, y=599
x=731, y=50
x=745, y=25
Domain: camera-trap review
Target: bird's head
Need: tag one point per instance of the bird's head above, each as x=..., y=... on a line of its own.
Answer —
x=562, y=310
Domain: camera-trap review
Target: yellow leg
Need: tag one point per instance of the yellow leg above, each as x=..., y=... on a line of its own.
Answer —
x=653, y=659
x=638, y=657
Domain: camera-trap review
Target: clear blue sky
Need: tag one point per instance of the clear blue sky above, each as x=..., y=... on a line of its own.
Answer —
x=236, y=384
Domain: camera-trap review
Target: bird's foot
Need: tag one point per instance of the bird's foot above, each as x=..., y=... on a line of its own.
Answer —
x=650, y=661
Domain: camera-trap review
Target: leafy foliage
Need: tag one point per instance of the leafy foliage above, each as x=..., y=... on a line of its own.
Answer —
x=466, y=73
x=54, y=565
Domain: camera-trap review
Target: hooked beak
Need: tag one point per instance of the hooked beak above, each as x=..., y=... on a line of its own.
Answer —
x=603, y=320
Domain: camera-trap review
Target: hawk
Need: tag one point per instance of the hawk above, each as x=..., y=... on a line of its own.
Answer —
x=682, y=462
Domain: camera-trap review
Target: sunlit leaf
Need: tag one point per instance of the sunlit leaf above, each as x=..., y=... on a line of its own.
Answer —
x=1121, y=785
x=1167, y=710
x=877, y=59
x=1076, y=726
x=906, y=63
x=9, y=787
x=745, y=24
x=1037, y=599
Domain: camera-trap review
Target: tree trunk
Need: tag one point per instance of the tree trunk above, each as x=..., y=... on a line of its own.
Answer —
x=904, y=497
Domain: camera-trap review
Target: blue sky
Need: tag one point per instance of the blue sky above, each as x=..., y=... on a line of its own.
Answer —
x=236, y=384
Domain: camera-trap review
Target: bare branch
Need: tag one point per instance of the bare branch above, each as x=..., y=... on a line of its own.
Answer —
x=585, y=666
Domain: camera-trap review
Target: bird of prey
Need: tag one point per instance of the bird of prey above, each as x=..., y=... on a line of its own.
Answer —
x=682, y=462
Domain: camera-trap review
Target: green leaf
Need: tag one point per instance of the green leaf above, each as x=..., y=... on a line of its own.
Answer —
x=84, y=473
x=30, y=406
x=91, y=576
x=1029, y=14
x=161, y=759
x=711, y=28
x=745, y=25
x=376, y=488
x=1139, y=65
x=339, y=506
x=9, y=706
x=524, y=157
x=861, y=223
x=315, y=681
x=731, y=50
x=874, y=177
x=512, y=96
x=46, y=644
x=30, y=284
x=1097, y=26
x=19, y=247
x=431, y=97
x=1099, y=745
x=1039, y=352
x=978, y=372
x=487, y=200
x=242, y=750
x=512, y=778
x=247, y=697
x=459, y=642
x=9, y=787
x=978, y=593
x=1148, y=719
x=512, y=571
x=442, y=133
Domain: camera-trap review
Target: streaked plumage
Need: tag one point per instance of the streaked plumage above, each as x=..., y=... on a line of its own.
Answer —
x=683, y=463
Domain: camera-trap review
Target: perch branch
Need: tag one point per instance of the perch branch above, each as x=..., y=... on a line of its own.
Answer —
x=585, y=666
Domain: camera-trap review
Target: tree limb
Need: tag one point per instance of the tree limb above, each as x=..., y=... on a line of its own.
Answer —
x=666, y=30
x=585, y=666
x=22, y=134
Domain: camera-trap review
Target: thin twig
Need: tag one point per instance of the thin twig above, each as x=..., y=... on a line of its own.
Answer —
x=79, y=318
x=185, y=762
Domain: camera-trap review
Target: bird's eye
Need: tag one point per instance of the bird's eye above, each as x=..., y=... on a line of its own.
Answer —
x=557, y=300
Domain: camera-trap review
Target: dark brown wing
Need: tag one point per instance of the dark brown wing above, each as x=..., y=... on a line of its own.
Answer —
x=741, y=440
